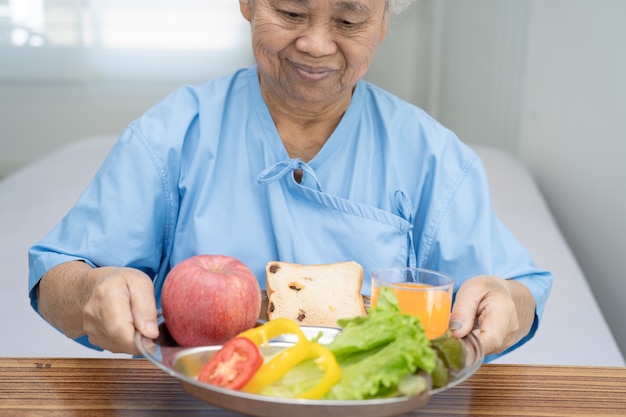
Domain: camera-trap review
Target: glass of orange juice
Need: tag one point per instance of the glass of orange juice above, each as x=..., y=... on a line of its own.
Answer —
x=421, y=292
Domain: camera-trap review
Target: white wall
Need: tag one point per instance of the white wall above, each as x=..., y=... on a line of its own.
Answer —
x=480, y=69
x=402, y=63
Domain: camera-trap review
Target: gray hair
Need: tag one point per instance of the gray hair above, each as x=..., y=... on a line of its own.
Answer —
x=395, y=6
x=398, y=6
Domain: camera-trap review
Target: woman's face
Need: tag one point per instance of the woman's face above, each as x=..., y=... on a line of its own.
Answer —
x=314, y=51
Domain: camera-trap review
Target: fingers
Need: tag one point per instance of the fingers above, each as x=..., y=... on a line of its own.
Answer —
x=121, y=303
x=143, y=308
x=496, y=331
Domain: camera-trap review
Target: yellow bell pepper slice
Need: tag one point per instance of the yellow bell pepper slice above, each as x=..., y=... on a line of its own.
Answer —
x=332, y=373
x=278, y=366
x=261, y=335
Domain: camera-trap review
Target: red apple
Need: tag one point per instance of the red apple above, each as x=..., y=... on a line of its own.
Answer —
x=209, y=299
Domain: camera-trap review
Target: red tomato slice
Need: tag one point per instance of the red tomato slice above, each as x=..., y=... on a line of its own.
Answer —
x=233, y=365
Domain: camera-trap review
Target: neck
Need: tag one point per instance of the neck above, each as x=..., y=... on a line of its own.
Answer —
x=304, y=127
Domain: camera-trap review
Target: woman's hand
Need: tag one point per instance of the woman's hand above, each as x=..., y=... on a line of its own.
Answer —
x=107, y=304
x=121, y=302
x=500, y=312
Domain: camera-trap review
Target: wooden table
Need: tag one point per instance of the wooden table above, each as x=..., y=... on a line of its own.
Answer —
x=67, y=387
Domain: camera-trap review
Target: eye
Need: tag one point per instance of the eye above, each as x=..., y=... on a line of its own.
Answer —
x=348, y=25
x=291, y=15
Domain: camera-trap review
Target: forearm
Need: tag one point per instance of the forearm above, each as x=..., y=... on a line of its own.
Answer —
x=62, y=293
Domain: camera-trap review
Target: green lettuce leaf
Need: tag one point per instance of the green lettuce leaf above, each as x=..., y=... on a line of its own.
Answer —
x=374, y=352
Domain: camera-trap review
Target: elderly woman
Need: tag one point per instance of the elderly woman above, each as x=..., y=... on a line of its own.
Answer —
x=295, y=159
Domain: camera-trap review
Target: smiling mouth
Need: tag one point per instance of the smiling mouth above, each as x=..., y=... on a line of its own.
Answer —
x=312, y=73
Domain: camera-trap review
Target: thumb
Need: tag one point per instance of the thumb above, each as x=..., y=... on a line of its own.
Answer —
x=143, y=306
x=464, y=313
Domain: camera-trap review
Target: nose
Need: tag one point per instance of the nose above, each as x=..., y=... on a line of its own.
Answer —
x=317, y=41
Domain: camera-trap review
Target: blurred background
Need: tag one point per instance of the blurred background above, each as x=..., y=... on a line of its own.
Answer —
x=544, y=80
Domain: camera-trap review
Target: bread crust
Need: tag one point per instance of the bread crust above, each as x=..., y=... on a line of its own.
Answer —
x=314, y=295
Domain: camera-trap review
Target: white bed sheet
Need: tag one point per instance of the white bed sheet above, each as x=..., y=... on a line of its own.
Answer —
x=35, y=198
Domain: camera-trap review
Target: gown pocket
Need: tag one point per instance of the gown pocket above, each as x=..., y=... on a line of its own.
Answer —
x=314, y=227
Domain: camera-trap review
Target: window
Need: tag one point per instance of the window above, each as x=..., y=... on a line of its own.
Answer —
x=121, y=39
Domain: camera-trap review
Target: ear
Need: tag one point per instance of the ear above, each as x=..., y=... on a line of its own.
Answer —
x=246, y=9
x=385, y=28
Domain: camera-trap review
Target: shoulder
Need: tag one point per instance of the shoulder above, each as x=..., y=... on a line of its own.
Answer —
x=391, y=106
x=178, y=111
x=179, y=118
x=411, y=131
x=172, y=130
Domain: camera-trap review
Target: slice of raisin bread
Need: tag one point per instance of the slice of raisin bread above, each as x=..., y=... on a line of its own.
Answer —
x=314, y=295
